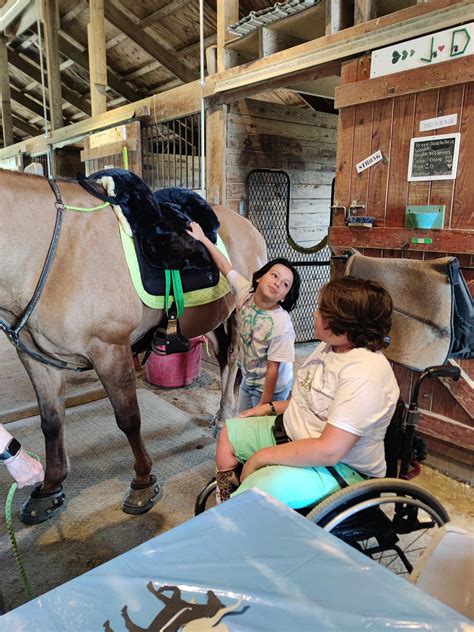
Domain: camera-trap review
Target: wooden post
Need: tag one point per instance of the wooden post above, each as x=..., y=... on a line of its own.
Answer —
x=5, y=102
x=50, y=18
x=97, y=57
x=339, y=15
x=365, y=10
x=227, y=13
x=216, y=141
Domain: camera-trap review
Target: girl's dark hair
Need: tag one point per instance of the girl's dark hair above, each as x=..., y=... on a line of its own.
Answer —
x=360, y=308
x=289, y=302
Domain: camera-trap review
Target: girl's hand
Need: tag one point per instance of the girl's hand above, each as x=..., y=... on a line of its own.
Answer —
x=261, y=410
x=196, y=231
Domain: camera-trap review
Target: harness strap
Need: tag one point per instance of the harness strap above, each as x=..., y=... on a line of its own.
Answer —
x=13, y=333
x=47, y=265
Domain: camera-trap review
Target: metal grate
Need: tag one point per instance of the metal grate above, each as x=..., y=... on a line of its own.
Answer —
x=171, y=153
x=268, y=204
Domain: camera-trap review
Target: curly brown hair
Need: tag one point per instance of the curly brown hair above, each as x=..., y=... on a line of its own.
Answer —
x=359, y=308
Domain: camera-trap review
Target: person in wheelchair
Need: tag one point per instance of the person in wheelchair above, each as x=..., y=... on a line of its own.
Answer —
x=331, y=431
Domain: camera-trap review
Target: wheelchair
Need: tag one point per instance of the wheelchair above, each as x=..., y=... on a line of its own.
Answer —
x=388, y=519
x=391, y=519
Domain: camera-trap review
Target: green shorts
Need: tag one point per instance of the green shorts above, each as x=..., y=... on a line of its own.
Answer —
x=296, y=487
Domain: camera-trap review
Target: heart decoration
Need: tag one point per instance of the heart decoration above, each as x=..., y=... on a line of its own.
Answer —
x=441, y=48
x=404, y=55
x=395, y=57
x=412, y=52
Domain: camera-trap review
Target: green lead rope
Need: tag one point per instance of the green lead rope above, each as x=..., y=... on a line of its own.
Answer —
x=174, y=286
x=16, y=552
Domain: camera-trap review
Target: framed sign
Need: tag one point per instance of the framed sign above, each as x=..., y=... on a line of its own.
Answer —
x=423, y=51
x=434, y=157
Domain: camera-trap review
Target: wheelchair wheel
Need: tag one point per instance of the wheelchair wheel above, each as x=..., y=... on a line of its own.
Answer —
x=206, y=492
x=390, y=520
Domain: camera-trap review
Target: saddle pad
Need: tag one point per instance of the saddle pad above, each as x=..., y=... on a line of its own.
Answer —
x=422, y=306
x=191, y=298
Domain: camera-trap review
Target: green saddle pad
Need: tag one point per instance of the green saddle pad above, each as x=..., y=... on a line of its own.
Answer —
x=191, y=299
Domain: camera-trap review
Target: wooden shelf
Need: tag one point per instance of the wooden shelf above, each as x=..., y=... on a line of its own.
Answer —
x=449, y=241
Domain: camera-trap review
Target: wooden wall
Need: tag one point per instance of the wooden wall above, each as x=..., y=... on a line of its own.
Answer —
x=302, y=142
x=389, y=124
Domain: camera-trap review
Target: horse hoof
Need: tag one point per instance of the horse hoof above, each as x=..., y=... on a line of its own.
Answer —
x=140, y=498
x=41, y=506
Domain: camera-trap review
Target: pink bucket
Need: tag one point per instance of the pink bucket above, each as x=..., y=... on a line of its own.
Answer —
x=177, y=369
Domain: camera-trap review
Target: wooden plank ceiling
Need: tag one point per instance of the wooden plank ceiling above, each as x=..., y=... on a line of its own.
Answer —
x=152, y=45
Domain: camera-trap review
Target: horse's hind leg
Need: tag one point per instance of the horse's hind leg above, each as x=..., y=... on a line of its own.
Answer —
x=114, y=365
x=224, y=341
x=48, y=383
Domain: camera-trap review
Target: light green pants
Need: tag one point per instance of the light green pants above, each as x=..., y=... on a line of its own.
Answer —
x=296, y=487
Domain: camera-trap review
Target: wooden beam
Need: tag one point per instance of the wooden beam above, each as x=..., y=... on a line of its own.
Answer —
x=448, y=240
x=216, y=128
x=227, y=13
x=27, y=18
x=10, y=11
x=82, y=60
x=446, y=73
x=177, y=102
x=28, y=103
x=5, y=102
x=28, y=129
x=402, y=25
x=32, y=71
x=97, y=57
x=308, y=75
x=118, y=18
x=365, y=10
x=447, y=429
x=339, y=15
x=159, y=14
x=50, y=19
x=462, y=390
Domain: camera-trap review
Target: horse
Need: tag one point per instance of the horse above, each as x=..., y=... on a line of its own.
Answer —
x=88, y=315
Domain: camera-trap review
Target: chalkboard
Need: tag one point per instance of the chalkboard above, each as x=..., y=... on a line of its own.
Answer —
x=434, y=157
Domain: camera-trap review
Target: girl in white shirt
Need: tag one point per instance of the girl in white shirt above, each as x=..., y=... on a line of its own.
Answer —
x=342, y=401
x=267, y=337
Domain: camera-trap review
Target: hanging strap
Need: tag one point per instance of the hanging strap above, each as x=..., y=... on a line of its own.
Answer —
x=174, y=287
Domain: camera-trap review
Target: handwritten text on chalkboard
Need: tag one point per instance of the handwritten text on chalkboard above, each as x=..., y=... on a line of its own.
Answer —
x=434, y=157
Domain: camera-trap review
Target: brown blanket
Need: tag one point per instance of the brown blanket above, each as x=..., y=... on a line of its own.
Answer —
x=422, y=296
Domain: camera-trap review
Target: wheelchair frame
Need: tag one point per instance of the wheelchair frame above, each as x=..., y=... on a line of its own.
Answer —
x=377, y=516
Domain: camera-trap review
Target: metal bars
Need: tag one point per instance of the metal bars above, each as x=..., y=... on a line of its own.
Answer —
x=171, y=153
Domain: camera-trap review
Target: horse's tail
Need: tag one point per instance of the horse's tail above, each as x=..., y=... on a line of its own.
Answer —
x=92, y=187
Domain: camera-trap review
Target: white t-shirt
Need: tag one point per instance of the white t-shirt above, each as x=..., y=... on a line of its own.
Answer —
x=355, y=391
x=264, y=335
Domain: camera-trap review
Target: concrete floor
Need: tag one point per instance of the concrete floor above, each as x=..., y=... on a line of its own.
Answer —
x=108, y=531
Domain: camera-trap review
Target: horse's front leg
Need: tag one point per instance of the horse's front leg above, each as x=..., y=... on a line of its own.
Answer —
x=115, y=368
x=48, y=383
